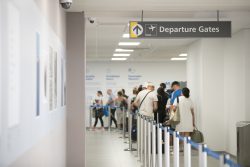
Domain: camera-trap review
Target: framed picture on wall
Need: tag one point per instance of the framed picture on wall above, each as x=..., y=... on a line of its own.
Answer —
x=55, y=80
x=38, y=63
x=51, y=78
x=62, y=82
x=45, y=81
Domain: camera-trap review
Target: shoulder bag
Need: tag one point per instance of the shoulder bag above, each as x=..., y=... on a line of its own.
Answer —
x=143, y=99
x=174, y=116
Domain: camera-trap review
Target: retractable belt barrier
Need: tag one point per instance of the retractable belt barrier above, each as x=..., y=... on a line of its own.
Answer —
x=149, y=143
x=147, y=129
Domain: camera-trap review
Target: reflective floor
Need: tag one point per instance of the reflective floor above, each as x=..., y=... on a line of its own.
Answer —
x=106, y=149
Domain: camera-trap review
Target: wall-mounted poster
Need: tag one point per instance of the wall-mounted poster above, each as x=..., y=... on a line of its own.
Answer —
x=51, y=80
x=37, y=74
x=13, y=64
x=55, y=81
x=62, y=82
x=45, y=80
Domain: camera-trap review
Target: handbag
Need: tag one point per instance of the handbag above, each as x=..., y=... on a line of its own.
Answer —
x=174, y=116
x=197, y=136
x=105, y=111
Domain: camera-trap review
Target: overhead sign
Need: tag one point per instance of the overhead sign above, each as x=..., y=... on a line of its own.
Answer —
x=180, y=29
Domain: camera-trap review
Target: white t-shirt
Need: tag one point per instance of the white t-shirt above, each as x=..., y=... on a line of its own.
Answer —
x=147, y=106
x=186, y=119
x=98, y=100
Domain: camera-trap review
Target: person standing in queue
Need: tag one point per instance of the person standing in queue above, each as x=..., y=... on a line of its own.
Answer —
x=98, y=102
x=135, y=92
x=176, y=91
x=160, y=115
x=111, y=104
x=186, y=109
x=146, y=101
x=120, y=103
x=124, y=94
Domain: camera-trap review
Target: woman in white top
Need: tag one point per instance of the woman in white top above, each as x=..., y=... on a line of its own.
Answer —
x=186, y=108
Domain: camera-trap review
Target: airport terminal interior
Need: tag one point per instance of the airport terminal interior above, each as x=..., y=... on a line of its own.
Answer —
x=123, y=83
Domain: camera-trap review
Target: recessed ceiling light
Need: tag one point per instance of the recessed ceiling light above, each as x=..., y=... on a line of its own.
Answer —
x=183, y=55
x=121, y=54
x=125, y=35
x=124, y=50
x=129, y=43
x=119, y=59
x=178, y=58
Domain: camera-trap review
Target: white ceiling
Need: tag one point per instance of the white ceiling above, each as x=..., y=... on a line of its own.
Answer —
x=112, y=17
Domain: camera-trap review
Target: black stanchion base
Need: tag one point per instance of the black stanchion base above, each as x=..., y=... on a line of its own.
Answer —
x=128, y=149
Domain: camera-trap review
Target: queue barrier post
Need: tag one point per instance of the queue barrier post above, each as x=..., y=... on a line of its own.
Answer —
x=159, y=144
x=138, y=134
x=145, y=143
x=153, y=144
x=202, y=156
x=176, y=149
x=149, y=143
x=227, y=158
x=187, y=152
x=123, y=122
x=221, y=160
x=130, y=132
x=90, y=116
x=167, y=146
x=109, y=119
x=141, y=143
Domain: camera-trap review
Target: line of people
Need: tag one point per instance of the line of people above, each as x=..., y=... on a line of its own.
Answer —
x=118, y=104
x=154, y=104
x=158, y=106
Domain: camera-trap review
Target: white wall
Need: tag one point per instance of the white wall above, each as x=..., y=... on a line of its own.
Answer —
x=194, y=78
x=236, y=84
x=28, y=140
x=214, y=70
x=128, y=75
x=1, y=55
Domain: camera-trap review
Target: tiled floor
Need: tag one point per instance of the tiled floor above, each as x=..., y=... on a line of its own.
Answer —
x=106, y=149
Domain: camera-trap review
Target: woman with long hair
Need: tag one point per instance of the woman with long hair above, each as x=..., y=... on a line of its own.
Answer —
x=98, y=101
x=186, y=109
